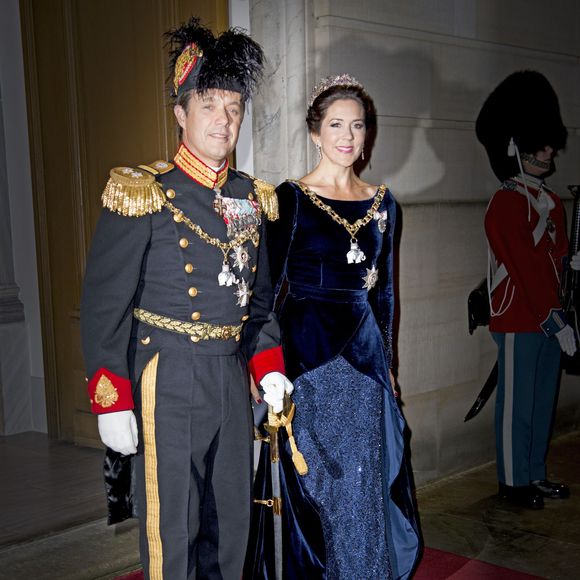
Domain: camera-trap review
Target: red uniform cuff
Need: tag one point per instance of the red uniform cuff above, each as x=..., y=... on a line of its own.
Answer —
x=266, y=362
x=110, y=392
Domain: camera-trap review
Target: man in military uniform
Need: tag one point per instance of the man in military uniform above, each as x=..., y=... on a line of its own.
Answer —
x=176, y=307
x=522, y=131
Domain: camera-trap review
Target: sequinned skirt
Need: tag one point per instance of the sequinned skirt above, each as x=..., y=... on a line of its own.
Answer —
x=338, y=428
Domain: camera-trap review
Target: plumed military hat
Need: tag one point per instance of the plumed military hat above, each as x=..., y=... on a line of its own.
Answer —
x=524, y=107
x=201, y=61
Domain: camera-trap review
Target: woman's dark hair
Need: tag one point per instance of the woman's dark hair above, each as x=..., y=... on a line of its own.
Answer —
x=319, y=107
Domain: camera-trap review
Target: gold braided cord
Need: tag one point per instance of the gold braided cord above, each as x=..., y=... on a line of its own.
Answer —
x=284, y=419
x=199, y=330
x=148, y=398
x=251, y=233
x=132, y=193
x=198, y=170
x=267, y=198
x=352, y=229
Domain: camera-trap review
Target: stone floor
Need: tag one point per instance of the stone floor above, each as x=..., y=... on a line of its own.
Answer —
x=460, y=514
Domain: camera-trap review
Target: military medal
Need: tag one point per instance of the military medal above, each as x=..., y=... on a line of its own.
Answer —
x=371, y=278
x=381, y=217
x=218, y=202
x=242, y=257
x=243, y=293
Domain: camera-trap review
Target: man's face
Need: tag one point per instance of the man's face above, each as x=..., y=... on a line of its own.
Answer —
x=545, y=155
x=211, y=124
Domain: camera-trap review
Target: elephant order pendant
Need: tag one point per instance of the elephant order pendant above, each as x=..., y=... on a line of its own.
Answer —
x=355, y=255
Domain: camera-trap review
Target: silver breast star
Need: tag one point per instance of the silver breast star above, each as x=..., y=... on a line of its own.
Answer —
x=371, y=278
x=241, y=257
x=243, y=293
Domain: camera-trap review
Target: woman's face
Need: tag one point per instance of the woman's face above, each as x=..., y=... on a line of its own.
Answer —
x=342, y=132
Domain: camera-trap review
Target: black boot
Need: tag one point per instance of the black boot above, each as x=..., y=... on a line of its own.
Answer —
x=522, y=495
x=550, y=489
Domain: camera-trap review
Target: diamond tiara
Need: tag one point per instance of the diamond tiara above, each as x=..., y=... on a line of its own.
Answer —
x=332, y=81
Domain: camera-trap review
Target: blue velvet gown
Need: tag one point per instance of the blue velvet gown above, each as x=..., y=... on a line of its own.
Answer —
x=337, y=343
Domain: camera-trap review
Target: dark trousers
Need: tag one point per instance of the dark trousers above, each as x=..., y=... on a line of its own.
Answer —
x=193, y=471
x=529, y=369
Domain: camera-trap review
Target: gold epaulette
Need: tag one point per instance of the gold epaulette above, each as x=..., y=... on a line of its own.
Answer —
x=266, y=194
x=135, y=192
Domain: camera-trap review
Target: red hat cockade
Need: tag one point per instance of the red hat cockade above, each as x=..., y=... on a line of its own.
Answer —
x=201, y=61
x=184, y=66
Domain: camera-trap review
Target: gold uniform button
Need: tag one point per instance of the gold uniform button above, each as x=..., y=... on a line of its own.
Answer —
x=254, y=268
x=250, y=196
x=196, y=316
x=195, y=338
x=178, y=217
x=238, y=337
x=189, y=268
x=146, y=340
x=170, y=193
x=245, y=317
x=192, y=291
x=184, y=243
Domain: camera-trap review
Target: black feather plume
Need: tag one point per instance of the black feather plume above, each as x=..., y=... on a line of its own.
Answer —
x=235, y=64
x=192, y=32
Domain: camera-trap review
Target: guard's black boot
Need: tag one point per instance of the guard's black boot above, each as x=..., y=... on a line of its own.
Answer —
x=551, y=489
x=522, y=495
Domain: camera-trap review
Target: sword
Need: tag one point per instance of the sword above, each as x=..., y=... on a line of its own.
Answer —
x=272, y=428
x=484, y=394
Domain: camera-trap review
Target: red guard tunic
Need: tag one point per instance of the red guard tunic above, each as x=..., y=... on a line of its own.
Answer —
x=526, y=257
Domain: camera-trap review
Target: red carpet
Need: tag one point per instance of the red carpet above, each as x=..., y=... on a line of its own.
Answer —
x=439, y=565
x=436, y=565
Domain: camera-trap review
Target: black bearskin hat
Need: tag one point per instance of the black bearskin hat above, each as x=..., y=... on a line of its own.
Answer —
x=200, y=61
x=523, y=106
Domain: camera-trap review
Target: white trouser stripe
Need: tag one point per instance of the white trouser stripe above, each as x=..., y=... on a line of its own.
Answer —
x=508, y=407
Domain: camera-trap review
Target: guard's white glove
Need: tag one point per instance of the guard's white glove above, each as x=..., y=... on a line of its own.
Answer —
x=567, y=340
x=118, y=431
x=575, y=261
x=275, y=385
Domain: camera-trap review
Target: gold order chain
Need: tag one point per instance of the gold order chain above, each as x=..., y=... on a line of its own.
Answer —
x=352, y=229
x=251, y=233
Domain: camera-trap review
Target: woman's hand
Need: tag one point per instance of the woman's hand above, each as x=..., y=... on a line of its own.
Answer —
x=393, y=383
x=254, y=391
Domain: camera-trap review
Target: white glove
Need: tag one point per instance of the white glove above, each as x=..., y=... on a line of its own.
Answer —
x=567, y=340
x=118, y=431
x=275, y=385
x=575, y=261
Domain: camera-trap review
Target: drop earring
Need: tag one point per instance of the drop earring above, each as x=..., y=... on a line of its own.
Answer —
x=319, y=151
x=363, y=154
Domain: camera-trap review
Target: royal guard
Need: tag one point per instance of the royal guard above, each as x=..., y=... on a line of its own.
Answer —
x=175, y=313
x=522, y=130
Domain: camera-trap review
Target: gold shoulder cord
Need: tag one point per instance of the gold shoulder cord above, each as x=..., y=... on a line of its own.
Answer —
x=135, y=192
x=352, y=229
x=267, y=198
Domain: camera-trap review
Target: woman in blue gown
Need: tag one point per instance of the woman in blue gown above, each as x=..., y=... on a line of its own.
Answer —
x=331, y=251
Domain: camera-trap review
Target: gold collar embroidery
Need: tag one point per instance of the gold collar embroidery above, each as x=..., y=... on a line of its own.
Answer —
x=198, y=170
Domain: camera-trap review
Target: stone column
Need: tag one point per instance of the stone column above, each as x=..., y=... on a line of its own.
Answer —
x=15, y=410
x=281, y=143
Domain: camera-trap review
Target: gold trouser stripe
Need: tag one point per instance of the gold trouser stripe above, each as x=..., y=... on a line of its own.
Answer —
x=148, y=386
